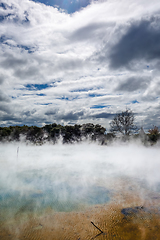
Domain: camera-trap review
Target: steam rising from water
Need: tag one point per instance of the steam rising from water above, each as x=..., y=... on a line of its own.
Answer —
x=68, y=177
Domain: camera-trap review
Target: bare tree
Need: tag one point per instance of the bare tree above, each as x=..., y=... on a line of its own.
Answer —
x=123, y=123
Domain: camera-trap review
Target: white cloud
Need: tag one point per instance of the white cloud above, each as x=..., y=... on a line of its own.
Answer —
x=104, y=55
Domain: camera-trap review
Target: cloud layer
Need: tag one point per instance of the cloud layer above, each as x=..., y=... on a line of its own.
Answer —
x=80, y=67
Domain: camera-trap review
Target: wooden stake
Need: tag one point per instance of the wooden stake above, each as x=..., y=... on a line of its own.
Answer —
x=97, y=227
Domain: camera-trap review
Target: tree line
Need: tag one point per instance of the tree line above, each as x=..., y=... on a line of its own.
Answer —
x=52, y=133
x=122, y=126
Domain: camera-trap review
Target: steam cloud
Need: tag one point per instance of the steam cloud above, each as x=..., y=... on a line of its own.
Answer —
x=65, y=177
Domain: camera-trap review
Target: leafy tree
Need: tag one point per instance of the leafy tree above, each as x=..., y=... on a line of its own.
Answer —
x=123, y=123
x=71, y=133
x=87, y=129
x=34, y=133
x=99, y=130
x=16, y=133
x=4, y=133
x=52, y=132
x=154, y=134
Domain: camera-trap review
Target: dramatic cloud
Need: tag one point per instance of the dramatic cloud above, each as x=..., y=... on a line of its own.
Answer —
x=80, y=61
x=134, y=83
x=141, y=42
x=103, y=115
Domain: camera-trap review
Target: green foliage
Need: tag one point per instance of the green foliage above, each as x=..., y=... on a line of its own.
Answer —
x=52, y=132
x=71, y=133
x=123, y=122
x=34, y=134
x=5, y=133
x=99, y=129
x=93, y=132
x=154, y=134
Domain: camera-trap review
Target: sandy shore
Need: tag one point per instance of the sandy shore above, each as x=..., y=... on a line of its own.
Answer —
x=141, y=221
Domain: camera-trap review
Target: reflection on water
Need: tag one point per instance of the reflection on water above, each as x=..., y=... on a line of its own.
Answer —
x=55, y=192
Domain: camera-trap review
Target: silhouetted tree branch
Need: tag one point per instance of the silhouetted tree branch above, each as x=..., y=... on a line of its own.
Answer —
x=123, y=123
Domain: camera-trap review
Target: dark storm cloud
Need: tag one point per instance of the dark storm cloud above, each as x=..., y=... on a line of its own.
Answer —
x=67, y=117
x=10, y=117
x=13, y=117
x=13, y=62
x=103, y=115
x=142, y=41
x=133, y=84
x=71, y=116
x=29, y=113
x=31, y=71
x=51, y=112
x=4, y=108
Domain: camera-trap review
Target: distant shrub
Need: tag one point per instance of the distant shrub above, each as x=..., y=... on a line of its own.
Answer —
x=154, y=134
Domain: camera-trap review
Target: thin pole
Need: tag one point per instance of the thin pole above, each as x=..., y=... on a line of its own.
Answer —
x=17, y=152
x=97, y=227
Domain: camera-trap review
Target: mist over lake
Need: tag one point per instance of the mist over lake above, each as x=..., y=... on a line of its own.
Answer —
x=28, y=168
x=73, y=178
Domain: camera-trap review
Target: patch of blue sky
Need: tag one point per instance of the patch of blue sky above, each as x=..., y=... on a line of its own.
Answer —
x=134, y=101
x=95, y=95
x=100, y=106
x=64, y=98
x=2, y=18
x=41, y=94
x=26, y=94
x=82, y=90
x=97, y=106
x=29, y=49
x=5, y=6
x=68, y=98
x=36, y=87
x=2, y=37
x=43, y=104
x=70, y=6
x=13, y=18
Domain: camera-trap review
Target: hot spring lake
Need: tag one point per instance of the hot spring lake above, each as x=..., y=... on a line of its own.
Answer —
x=73, y=178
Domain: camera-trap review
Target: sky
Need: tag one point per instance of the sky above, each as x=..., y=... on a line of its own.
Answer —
x=79, y=61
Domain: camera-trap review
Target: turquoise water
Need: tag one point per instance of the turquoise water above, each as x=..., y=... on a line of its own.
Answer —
x=70, y=178
x=61, y=196
x=41, y=191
